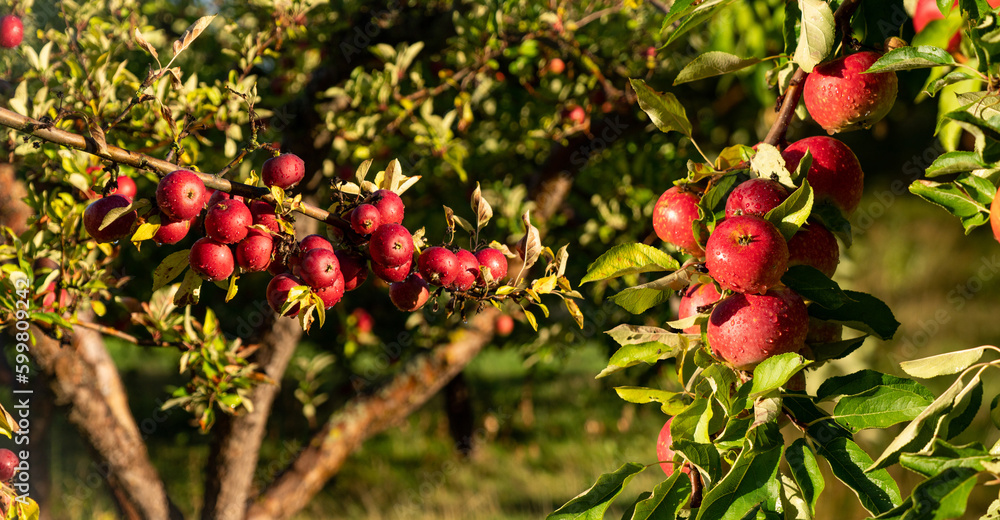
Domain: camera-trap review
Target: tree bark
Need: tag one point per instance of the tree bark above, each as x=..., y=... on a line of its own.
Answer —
x=367, y=415
x=74, y=371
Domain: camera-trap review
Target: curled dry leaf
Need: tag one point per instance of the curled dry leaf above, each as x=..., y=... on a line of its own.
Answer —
x=192, y=33
x=482, y=208
x=145, y=44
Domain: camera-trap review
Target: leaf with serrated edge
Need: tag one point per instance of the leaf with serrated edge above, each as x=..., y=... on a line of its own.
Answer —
x=663, y=108
x=593, y=502
x=667, y=499
x=649, y=353
x=481, y=207
x=775, y=371
x=191, y=34
x=767, y=163
x=816, y=34
x=713, y=63
x=942, y=364
x=145, y=44
x=626, y=259
x=793, y=212
x=806, y=471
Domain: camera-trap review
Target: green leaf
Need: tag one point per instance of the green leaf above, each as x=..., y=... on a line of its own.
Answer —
x=717, y=194
x=627, y=259
x=701, y=14
x=940, y=497
x=995, y=411
x=955, y=162
x=815, y=34
x=941, y=456
x=965, y=408
x=806, y=472
x=672, y=402
x=649, y=353
x=171, y=267
x=866, y=380
x=863, y=312
x=813, y=285
x=713, y=63
x=793, y=212
x=704, y=457
x=775, y=371
x=190, y=289
x=667, y=499
x=881, y=407
x=641, y=298
x=947, y=196
x=907, y=58
x=833, y=219
x=980, y=189
x=876, y=490
x=948, y=79
x=692, y=422
x=751, y=481
x=592, y=503
x=663, y=108
x=943, y=364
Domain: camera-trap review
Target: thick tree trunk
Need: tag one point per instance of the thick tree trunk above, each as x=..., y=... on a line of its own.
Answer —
x=461, y=418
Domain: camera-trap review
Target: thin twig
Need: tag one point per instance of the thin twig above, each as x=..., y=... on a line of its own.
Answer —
x=108, y=331
x=787, y=111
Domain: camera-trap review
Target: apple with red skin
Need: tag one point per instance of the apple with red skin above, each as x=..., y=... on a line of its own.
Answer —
x=363, y=320
x=391, y=245
x=314, y=242
x=283, y=171
x=331, y=294
x=746, y=254
x=755, y=197
x=410, y=294
x=927, y=11
x=54, y=297
x=119, y=228
x=841, y=97
x=468, y=270
x=171, y=231
x=253, y=253
x=319, y=268
x=663, y=452
x=835, y=174
x=555, y=66
x=212, y=260
x=576, y=115
x=126, y=187
x=277, y=293
x=228, y=221
x=390, y=206
x=814, y=245
x=354, y=267
x=392, y=274
x=365, y=219
x=746, y=329
x=995, y=216
x=262, y=214
x=694, y=297
x=11, y=31
x=822, y=331
x=217, y=196
x=504, y=325
x=180, y=194
x=493, y=260
x=8, y=464
x=438, y=266
x=673, y=216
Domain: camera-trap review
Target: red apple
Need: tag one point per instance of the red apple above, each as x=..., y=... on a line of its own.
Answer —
x=313, y=242
x=331, y=294
x=391, y=245
x=438, y=266
x=663, y=452
x=126, y=187
x=8, y=460
x=217, y=196
x=212, y=260
x=504, y=325
x=365, y=219
x=284, y=171
x=262, y=213
x=254, y=252
x=320, y=268
x=363, y=320
x=354, y=267
x=410, y=294
x=228, y=221
x=493, y=260
x=555, y=66
x=180, y=195
x=995, y=215
x=928, y=11
x=755, y=197
x=746, y=254
x=468, y=270
x=119, y=228
x=171, y=231
x=746, y=329
x=840, y=97
x=814, y=245
x=695, y=296
x=835, y=173
x=822, y=331
x=11, y=32
x=673, y=217
x=389, y=205
x=277, y=293
x=576, y=115
x=392, y=274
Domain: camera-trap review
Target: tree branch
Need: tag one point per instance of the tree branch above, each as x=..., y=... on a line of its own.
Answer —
x=787, y=110
x=48, y=132
x=82, y=379
x=367, y=415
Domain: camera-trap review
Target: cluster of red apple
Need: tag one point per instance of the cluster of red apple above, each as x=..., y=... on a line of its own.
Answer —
x=257, y=234
x=755, y=316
